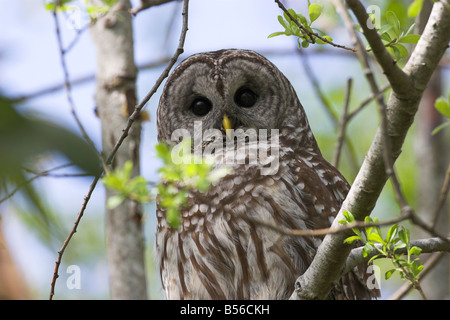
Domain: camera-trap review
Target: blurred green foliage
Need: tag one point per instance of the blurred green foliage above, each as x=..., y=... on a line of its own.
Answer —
x=24, y=141
x=25, y=138
x=189, y=173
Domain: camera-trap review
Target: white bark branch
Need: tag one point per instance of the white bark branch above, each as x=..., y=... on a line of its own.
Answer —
x=408, y=85
x=116, y=98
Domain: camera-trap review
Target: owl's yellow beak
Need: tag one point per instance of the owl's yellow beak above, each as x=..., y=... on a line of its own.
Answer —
x=227, y=125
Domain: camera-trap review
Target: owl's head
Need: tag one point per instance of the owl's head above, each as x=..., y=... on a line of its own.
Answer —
x=240, y=85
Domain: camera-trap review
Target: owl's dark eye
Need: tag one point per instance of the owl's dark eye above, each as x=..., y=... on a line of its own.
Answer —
x=245, y=97
x=201, y=106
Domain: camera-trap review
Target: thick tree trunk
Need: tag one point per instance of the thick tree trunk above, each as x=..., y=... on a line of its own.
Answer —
x=116, y=99
x=432, y=157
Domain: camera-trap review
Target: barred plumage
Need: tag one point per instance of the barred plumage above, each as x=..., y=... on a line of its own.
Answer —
x=220, y=251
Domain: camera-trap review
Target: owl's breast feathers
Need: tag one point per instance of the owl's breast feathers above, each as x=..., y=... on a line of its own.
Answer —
x=221, y=251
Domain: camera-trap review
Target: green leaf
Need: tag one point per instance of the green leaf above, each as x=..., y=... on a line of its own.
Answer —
x=114, y=201
x=351, y=239
x=320, y=41
x=385, y=28
x=110, y=2
x=399, y=246
x=375, y=237
x=442, y=106
x=415, y=251
x=391, y=17
x=315, y=10
x=410, y=38
x=375, y=257
x=389, y=273
x=404, y=235
x=440, y=127
x=367, y=249
x=386, y=38
x=173, y=217
x=392, y=232
x=284, y=23
x=60, y=6
x=302, y=19
x=368, y=219
x=403, y=52
x=414, y=8
x=416, y=269
x=113, y=182
x=277, y=34
x=349, y=216
x=50, y=6
x=410, y=29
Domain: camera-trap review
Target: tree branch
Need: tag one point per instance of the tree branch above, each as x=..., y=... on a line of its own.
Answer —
x=396, y=76
x=408, y=86
x=429, y=245
x=427, y=267
x=68, y=89
x=442, y=197
x=310, y=34
x=343, y=124
x=69, y=237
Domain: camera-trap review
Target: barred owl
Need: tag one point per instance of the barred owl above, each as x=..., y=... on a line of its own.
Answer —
x=221, y=251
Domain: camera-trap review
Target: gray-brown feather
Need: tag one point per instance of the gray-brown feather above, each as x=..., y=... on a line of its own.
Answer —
x=219, y=251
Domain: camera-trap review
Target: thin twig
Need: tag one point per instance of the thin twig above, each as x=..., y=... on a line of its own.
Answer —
x=72, y=232
x=442, y=197
x=363, y=59
x=365, y=102
x=28, y=181
x=324, y=231
x=427, y=267
x=316, y=86
x=343, y=124
x=79, y=32
x=399, y=80
x=311, y=34
x=83, y=79
x=69, y=91
x=422, y=224
x=327, y=106
x=408, y=276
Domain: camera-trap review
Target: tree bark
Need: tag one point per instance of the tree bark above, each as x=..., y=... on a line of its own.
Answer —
x=408, y=85
x=116, y=99
x=432, y=158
